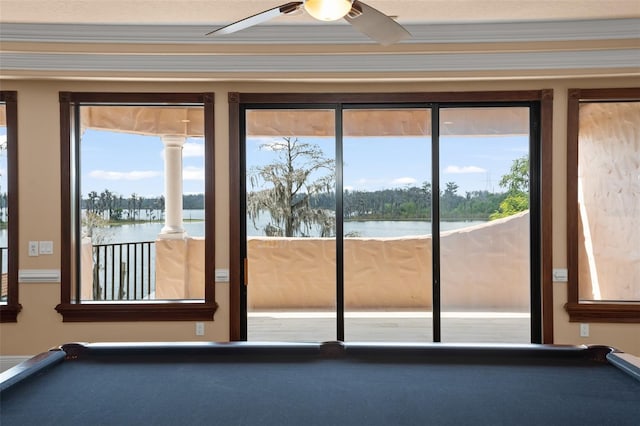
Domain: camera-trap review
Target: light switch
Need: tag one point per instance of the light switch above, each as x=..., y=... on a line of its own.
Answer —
x=46, y=247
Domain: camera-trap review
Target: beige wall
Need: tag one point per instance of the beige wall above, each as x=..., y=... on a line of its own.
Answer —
x=39, y=326
x=482, y=267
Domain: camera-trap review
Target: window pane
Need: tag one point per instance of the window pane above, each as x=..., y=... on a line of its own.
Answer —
x=609, y=201
x=387, y=225
x=484, y=223
x=290, y=202
x=142, y=203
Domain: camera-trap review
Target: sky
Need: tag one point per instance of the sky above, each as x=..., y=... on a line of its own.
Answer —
x=394, y=162
x=127, y=164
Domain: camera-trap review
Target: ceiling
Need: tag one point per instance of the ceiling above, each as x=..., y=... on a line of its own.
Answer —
x=451, y=40
x=226, y=11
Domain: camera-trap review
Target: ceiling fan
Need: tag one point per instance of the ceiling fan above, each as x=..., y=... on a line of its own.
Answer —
x=364, y=18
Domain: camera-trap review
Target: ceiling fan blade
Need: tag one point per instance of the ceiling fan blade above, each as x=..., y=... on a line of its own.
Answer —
x=258, y=18
x=375, y=24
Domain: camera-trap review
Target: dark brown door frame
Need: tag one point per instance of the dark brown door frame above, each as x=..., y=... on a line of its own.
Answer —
x=236, y=182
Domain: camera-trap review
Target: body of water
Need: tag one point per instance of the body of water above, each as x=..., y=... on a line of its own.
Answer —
x=394, y=228
x=372, y=228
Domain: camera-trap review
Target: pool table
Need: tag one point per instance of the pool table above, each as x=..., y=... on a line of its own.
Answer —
x=331, y=383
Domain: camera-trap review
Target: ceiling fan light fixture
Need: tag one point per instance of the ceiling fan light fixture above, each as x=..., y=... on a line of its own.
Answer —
x=328, y=10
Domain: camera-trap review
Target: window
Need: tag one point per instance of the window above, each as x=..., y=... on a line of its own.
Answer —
x=9, y=305
x=137, y=206
x=603, y=205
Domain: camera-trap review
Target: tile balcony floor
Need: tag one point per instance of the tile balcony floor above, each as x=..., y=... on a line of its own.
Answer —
x=386, y=326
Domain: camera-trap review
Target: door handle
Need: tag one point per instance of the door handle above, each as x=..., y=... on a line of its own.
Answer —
x=246, y=271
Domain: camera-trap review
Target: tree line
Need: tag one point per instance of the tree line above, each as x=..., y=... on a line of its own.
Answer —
x=4, y=203
x=413, y=203
x=111, y=206
x=407, y=203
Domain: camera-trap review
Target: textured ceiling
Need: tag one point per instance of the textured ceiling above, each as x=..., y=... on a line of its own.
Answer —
x=225, y=11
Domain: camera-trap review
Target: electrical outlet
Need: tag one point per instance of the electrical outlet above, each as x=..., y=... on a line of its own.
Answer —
x=222, y=275
x=584, y=330
x=199, y=329
x=560, y=275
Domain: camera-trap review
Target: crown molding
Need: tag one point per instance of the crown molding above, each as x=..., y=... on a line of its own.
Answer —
x=139, y=51
x=495, y=32
x=365, y=63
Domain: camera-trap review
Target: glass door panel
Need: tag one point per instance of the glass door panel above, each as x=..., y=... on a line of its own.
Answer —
x=387, y=228
x=484, y=224
x=4, y=207
x=290, y=224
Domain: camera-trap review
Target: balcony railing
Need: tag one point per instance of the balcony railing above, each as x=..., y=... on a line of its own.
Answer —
x=124, y=271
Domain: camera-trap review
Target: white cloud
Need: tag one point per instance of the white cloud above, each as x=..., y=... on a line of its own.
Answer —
x=404, y=181
x=365, y=184
x=3, y=139
x=190, y=149
x=274, y=145
x=259, y=140
x=193, y=173
x=133, y=175
x=464, y=169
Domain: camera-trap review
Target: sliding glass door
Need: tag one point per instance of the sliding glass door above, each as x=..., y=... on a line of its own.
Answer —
x=484, y=224
x=391, y=222
x=290, y=224
x=387, y=224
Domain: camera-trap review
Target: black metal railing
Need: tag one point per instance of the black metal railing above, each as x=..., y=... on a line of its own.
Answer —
x=124, y=271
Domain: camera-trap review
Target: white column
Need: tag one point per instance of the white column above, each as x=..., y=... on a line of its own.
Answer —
x=173, y=228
